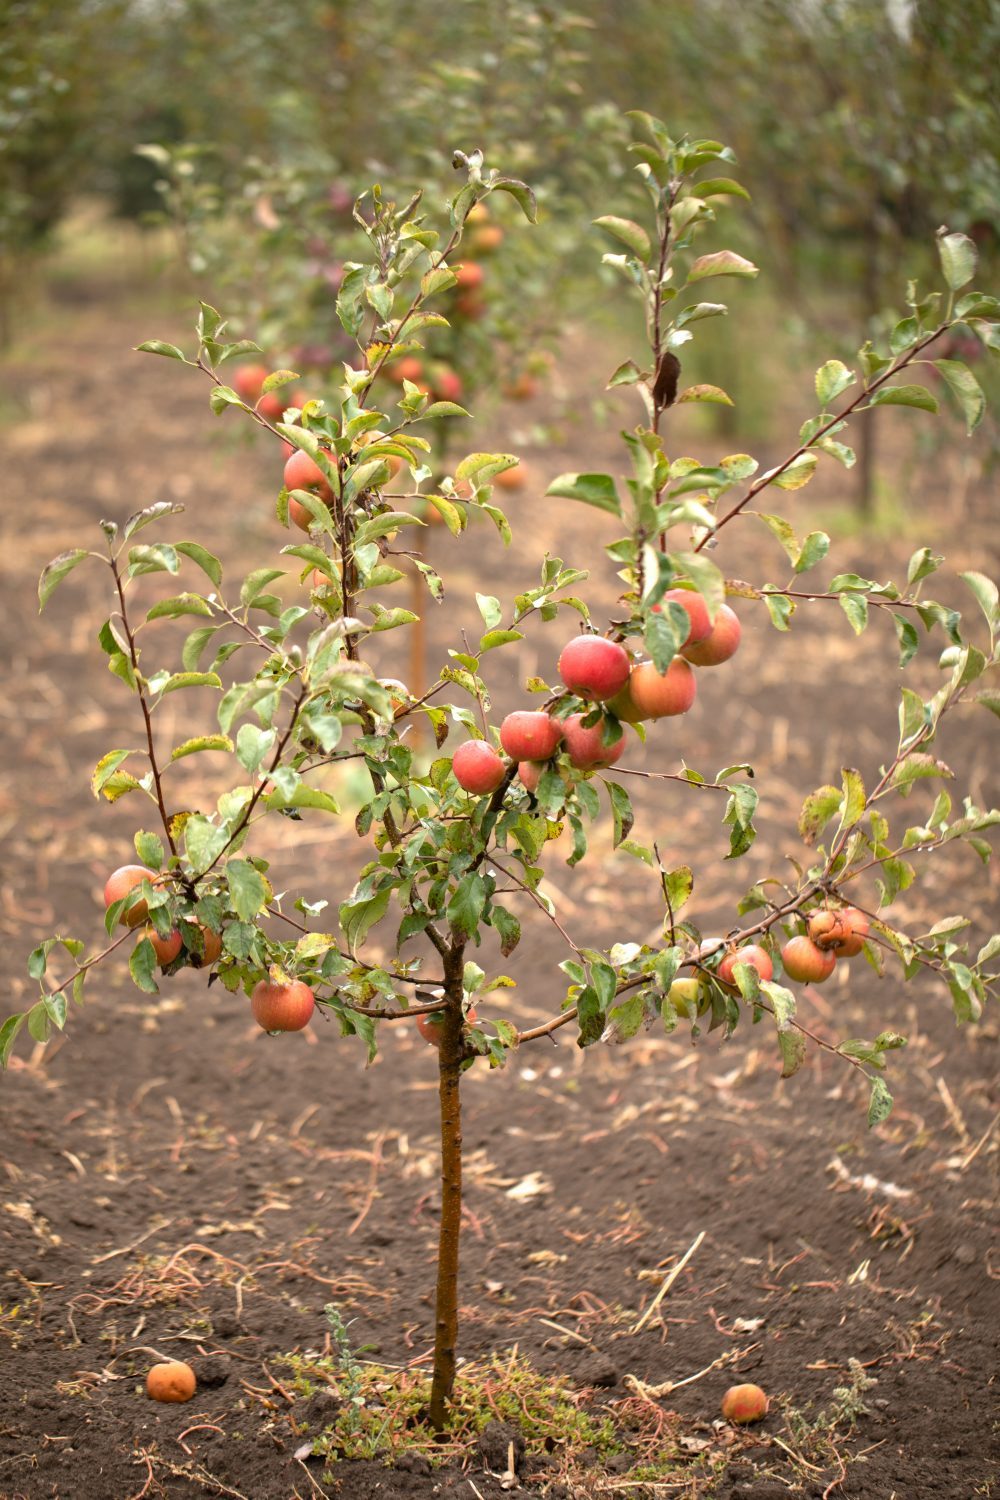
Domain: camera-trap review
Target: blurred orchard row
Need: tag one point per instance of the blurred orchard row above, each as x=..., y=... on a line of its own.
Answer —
x=250, y=128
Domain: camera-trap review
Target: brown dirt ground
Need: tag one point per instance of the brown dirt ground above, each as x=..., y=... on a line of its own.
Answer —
x=174, y=1181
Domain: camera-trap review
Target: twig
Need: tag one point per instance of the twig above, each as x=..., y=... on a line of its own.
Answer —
x=372, y=1181
x=668, y=1282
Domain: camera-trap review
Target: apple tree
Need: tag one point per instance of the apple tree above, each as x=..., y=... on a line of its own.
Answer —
x=453, y=845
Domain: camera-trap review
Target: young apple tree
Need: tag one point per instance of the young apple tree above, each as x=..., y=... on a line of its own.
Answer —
x=453, y=845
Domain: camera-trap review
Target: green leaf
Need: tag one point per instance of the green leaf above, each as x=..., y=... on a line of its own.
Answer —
x=718, y=187
x=629, y=233
x=249, y=890
x=54, y=572
x=780, y=529
x=854, y=798
x=142, y=966
x=204, y=841
x=180, y=604
x=677, y=887
x=712, y=393
x=106, y=767
x=721, y=263
x=621, y=811
x=465, y=909
x=489, y=608
x=814, y=549
x=798, y=473
x=879, y=1102
x=202, y=742
x=149, y=849
x=779, y=608
x=8, y=1035
x=909, y=641
x=922, y=563
x=855, y=607
x=593, y=489
x=206, y=560
x=987, y=597
x=831, y=379
x=958, y=259
x=190, y=679
x=508, y=928
x=905, y=395
x=521, y=194
x=966, y=390
x=157, y=346
x=817, y=810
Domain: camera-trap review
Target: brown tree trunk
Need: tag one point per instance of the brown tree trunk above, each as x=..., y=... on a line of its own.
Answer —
x=449, y=1081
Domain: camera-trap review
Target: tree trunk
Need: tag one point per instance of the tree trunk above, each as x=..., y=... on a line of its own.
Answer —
x=449, y=1080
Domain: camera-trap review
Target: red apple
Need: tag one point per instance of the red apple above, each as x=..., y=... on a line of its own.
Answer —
x=304, y=473
x=752, y=954
x=166, y=949
x=530, y=735
x=843, y=931
x=530, y=773
x=721, y=644
x=469, y=276
x=744, y=1403
x=248, y=379
x=586, y=748
x=212, y=949
x=624, y=706
x=118, y=885
x=282, y=1007
x=447, y=386
x=511, y=479
x=697, y=612
x=805, y=962
x=657, y=695
x=594, y=667
x=272, y=405
x=477, y=767
x=429, y=1025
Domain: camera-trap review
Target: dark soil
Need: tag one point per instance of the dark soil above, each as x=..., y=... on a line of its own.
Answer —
x=177, y=1184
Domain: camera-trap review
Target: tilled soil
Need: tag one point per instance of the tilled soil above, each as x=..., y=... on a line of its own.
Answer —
x=177, y=1184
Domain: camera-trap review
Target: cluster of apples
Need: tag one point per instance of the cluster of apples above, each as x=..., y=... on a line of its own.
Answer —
x=600, y=670
x=275, y=1006
x=809, y=958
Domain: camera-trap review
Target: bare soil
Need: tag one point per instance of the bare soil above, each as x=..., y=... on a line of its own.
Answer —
x=175, y=1183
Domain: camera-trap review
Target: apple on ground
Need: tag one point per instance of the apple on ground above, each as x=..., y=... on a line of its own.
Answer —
x=530, y=735
x=594, y=667
x=720, y=645
x=282, y=1007
x=477, y=767
x=659, y=695
x=744, y=1403
x=171, y=1380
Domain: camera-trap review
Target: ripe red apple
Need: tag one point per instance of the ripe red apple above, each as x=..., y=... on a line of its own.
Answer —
x=407, y=368
x=212, y=945
x=752, y=954
x=744, y=1403
x=594, y=667
x=697, y=613
x=530, y=773
x=166, y=949
x=470, y=305
x=657, y=695
x=272, y=405
x=468, y=276
x=247, y=381
x=172, y=1380
x=282, y=1007
x=585, y=747
x=843, y=931
x=477, y=767
x=530, y=735
x=721, y=644
x=429, y=1025
x=523, y=387
x=118, y=885
x=446, y=386
x=511, y=479
x=624, y=706
x=486, y=239
x=304, y=473
x=805, y=962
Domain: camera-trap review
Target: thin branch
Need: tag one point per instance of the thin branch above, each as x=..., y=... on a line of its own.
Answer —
x=150, y=745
